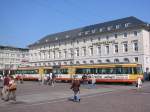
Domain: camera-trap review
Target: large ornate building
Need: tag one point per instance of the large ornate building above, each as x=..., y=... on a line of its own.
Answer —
x=123, y=40
x=12, y=57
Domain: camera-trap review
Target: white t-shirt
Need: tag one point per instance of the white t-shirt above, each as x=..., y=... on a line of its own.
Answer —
x=139, y=81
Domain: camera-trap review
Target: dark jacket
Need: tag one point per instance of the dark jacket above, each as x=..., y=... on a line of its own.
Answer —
x=75, y=85
x=6, y=81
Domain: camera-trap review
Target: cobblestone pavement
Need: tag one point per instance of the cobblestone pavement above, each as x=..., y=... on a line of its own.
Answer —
x=32, y=97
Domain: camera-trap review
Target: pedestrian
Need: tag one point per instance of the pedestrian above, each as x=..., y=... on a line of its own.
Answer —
x=12, y=89
x=76, y=89
x=53, y=79
x=21, y=79
x=50, y=78
x=40, y=79
x=93, y=81
x=5, y=91
x=139, y=83
x=84, y=77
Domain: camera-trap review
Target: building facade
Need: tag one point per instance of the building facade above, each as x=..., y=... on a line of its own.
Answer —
x=123, y=40
x=12, y=57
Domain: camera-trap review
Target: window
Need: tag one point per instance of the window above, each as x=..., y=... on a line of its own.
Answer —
x=126, y=60
x=109, y=28
x=99, y=38
x=84, y=40
x=59, y=54
x=49, y=54
x=107, y=61
x=107, y=37
x=71, y=53
x=93, y=31
x=91, y=61
x=65, y=53
x=87, y=32
x=116, y=36
x=71, y=62
x=84, y=62
x=107, y=49
x=136, y=59
x=117, y=26
x=84, y=51
x=125, y=47
x=127, y=24
x=71, y=43
x=99, y=50
x=101, y=29
x=54, y=54
x=116, y=48
x=65, y=63
x=125, y=35
x=91, y=40
x=77, y=62
x=91, y=51
x=135, y=46
x=116, y=60
x=99, y=61
x=135, y=33
x=59, y=63
x=77, y=52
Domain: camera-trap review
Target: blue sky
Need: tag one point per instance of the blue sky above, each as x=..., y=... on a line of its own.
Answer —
x=22, y=22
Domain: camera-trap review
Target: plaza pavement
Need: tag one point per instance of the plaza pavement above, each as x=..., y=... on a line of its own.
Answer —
x=31, y=94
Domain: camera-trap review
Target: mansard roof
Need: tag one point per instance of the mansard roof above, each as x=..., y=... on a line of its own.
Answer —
x=106, y=27
x=12, y=48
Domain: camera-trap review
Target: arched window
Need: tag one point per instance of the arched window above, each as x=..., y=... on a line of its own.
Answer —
x=91, y=62
x=126, y=60
x=71, y=63
x=107, y=61
x=99, y=61
x=77, y=62
x=59, y=63
x=49, y=64
x=84, y=62
x=54, y=63
x=116, y=60
x=65, y=63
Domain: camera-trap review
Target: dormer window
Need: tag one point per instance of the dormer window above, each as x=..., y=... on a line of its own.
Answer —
x=93, y=31
x=116, y=35
x=107, y=37
x=101, y=29
x=91, y=39
x=127, y=24
x=109, y=28
x=117, y=26
x=86, y=32
x=125, y=35
x=56, y=38
x=80, y=33
x=67, y=36
x=135, y=33
x=99, y=38
x=46, y=40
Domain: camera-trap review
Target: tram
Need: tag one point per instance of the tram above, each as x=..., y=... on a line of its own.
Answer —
x=122, y=72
